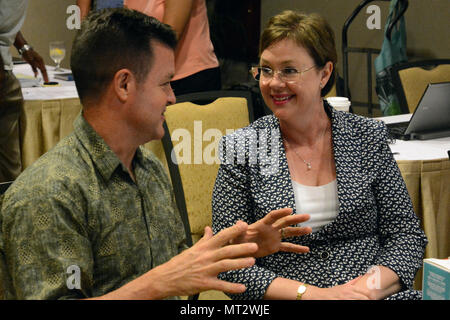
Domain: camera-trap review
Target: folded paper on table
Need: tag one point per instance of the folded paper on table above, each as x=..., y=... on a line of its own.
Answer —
x=27, y=81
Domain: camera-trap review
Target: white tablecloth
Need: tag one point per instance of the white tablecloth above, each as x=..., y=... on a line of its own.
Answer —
x=417, y=149
x=64, y=89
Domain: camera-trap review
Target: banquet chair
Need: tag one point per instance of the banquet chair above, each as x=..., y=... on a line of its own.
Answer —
x=207, y=97
x=193, y=128
x=411, y=79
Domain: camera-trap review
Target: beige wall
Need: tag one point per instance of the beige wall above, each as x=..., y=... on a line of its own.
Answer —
x=427, y=24
x=45, y=22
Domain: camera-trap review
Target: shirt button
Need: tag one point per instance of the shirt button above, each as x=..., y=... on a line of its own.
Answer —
x=324, y=255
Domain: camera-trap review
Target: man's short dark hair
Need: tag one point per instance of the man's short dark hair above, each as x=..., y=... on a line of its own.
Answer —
x=114, y=39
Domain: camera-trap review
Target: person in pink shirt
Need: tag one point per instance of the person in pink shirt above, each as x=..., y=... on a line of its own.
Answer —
x=196, y=65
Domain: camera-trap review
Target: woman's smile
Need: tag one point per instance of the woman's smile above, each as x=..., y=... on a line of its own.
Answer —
x=281, y=99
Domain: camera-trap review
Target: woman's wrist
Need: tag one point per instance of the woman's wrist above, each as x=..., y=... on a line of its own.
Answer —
x=313, y=293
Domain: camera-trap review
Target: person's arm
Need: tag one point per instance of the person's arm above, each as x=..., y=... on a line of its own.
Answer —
x=380, y=282
x=176, y=14
x=38, y=228
x=286, y=289
x=402, y=239
x=32, y=57
x=194, y=270
x=85, y=7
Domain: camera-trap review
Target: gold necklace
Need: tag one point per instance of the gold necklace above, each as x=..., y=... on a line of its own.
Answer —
x=308, y=163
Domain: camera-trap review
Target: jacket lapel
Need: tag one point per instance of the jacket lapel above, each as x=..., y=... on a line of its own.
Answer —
x=272, y=186
x=347, y=157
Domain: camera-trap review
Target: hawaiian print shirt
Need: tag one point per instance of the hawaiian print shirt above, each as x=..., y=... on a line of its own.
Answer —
x=75, y=225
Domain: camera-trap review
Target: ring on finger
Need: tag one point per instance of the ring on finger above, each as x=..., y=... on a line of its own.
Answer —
x=282, y=233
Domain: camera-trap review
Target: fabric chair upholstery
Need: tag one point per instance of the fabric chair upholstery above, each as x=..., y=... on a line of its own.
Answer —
x=199, y=129
x=411, y=80
x=191, y=148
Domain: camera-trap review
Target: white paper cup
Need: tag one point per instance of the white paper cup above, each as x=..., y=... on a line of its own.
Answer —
x=339, y=103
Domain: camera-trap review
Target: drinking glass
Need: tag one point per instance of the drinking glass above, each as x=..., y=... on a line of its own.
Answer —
x=57, y=53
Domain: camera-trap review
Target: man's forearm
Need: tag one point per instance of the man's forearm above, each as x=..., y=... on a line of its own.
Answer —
x=195, y=269
x=31, y=57
x=141, y=288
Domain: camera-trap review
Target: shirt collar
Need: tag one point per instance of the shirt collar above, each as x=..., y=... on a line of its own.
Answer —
x=105, y=160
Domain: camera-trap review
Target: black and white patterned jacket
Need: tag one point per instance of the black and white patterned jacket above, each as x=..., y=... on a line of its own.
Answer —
x=376, y=224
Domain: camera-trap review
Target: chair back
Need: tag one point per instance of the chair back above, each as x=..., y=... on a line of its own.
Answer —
x=411, y=79
x=201, y=98
x=192, y=134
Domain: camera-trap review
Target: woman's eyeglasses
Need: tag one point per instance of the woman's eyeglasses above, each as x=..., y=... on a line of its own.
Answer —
x=266, y=74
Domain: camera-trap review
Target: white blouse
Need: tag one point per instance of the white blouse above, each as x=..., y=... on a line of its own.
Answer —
x=320, y=202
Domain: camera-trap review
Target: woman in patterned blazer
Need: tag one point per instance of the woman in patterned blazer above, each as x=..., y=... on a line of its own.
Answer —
x=366, y=241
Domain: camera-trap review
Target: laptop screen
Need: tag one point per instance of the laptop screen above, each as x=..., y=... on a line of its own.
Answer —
x=433, y=111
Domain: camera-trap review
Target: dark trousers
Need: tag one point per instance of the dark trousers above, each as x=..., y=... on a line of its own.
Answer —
x=11, y=101
x=205, y=80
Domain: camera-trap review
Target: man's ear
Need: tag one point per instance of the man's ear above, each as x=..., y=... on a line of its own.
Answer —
x=124, y=84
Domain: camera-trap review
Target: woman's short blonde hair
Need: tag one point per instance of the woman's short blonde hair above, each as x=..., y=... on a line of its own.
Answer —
x=310, y=31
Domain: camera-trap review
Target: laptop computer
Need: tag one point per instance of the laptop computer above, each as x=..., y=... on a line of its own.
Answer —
x=430, y=120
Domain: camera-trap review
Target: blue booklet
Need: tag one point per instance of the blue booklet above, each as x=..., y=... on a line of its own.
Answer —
x=64, y=76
